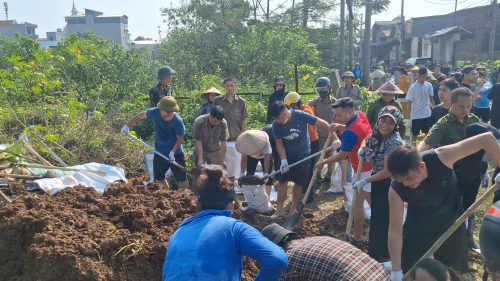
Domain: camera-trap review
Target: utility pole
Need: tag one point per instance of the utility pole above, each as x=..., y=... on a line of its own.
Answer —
x=367, y=40
x=401, y=32
x=342, y=37
x=455, y=15
x=350, y=28
x=6, y=10
x=293, y=11
x=361, y=38
x=493, y=27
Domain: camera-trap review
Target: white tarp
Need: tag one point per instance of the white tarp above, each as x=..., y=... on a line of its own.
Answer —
x=98, y=182
x=233, y=160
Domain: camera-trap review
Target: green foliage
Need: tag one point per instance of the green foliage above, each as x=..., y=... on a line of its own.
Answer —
x=368, y=97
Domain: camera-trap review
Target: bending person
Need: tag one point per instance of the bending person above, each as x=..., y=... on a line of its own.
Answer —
x=427, y=182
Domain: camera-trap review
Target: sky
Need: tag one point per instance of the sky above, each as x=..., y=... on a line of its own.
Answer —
x=145, y=17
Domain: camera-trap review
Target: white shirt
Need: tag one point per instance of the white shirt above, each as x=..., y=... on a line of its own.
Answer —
x=266, y=150
x=419, y=95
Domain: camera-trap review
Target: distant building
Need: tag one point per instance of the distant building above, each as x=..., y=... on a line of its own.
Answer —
x=149, y=43
x=9, y=28
x=113, y=27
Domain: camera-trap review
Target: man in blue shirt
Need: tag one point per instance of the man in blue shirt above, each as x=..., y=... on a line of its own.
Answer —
x=292, y=144
x=169, y=133
x=210, y=246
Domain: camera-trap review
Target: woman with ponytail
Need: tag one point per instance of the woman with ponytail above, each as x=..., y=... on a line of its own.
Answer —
x=211, y=245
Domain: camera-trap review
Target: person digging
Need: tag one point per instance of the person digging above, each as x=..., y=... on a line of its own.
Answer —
x=427, y=182
x=169, y=133
x=323, y=258
x=292, y=143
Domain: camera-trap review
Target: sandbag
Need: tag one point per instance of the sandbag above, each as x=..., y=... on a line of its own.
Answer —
x=233, y=160
x=336, y=180
x=256, y=198
x=148, y=161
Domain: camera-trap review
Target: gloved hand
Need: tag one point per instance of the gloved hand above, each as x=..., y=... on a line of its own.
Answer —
x=171, y=155
x=125, y=130
x=408, y=123
x=358, y=186
x=486, y=180
x=397, y=275
x=362, y=153
x=497, y=178
x=284, y=166
x=336, y=144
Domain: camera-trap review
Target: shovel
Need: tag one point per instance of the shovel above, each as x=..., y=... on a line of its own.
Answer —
x=347, y=235
x=193, y=171
x=256, y=180
x=297, y=218
x=457, y=224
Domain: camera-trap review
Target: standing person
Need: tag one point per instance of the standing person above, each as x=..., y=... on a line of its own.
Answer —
x=293, y=100
x=449, y=130
x=494, y=75
x=388, y=91
x=322, y=106
x=278, y=95
x=437, y=71
x=323, y=258
x=420, y=101
x=469, y=80
x=235, y=113
x=162, y=89
x=356, y=129
x=210, y=135
x=292, y=143
x=376, y=79
x=358, y=73
x=169, y=133
x=482, y=103
x=435, y=89
x=445, y=69
x=350, y=90
x=211, y=245
x=209, y=95
x=404, y=81
x=490, y=227
x=395, y=72
x=444, y=93
x=378, y=145
x=427, y=182
x=413, y=74
x=494, y=96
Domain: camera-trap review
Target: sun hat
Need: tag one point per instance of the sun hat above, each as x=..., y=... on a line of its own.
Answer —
x=347, y=74
x=392, y=112
x=165, y=71
x=275, y=233
x=389, y=88
x=377, y=74
x=431, y=76
x=210, y=91
x=168, y=104
x=415, y=68
x=251, y=142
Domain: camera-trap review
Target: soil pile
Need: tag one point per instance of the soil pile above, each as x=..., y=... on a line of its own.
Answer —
x=79, y=234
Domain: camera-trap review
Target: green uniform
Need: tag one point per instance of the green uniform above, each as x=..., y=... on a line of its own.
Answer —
x=375, y=108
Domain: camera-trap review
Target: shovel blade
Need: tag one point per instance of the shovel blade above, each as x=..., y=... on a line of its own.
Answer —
x=294, y=219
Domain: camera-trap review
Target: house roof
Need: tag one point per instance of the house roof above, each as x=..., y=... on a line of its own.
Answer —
x=450, y=30
x=111, y=16
x=6, y=22
x=383, y=23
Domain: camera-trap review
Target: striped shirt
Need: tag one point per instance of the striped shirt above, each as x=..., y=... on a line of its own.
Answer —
x=323, y=258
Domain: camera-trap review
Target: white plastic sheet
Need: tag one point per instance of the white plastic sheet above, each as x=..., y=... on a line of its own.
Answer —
x=233, y=160
x=98, y=182
x=256, y=198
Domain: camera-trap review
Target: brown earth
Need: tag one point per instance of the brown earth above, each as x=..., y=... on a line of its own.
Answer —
x=79, y=234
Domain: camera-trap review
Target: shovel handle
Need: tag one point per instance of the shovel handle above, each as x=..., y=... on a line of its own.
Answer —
x=457, y=224
x=354, y=197
x=156, y=152
x=5, y=197
x=316, y=170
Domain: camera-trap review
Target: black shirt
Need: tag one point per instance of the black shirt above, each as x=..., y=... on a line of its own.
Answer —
x=437, y=112
x=276, y=96
x=435, y=204
x=494, y=96
x=446, y=71
x=269, y=131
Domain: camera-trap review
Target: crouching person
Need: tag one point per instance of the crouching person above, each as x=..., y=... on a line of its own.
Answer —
x=211, y=245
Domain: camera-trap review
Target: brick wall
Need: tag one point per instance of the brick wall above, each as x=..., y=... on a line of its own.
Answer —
x=470, y=49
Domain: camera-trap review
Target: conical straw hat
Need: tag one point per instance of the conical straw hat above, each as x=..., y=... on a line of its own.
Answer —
x=377, y=74
x=389, y=88
x=251, y=142
x=211, y=90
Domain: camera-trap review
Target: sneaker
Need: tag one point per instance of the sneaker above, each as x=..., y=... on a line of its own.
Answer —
x=333, y=190
x=237, y=188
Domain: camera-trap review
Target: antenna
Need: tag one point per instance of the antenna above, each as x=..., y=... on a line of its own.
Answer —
x=6, y=10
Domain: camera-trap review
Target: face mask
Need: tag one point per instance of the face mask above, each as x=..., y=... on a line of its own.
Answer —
x=323, y=94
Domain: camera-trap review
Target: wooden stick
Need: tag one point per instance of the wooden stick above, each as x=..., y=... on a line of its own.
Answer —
x=101, y=173
x=32, y=151
x=19, y=176
x=354, y=197
x=456, y=224
x=53, y=154
x=5, y=197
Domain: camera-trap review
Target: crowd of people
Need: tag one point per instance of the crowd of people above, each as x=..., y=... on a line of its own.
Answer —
x=438, y=179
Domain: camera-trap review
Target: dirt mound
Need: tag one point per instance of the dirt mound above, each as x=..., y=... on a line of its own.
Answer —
x=79, y=234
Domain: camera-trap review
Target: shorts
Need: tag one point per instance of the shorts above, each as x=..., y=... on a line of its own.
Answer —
x=161, y=166
x=209, y=157
x=483, y=113
x=298, y=174
x=418, y=125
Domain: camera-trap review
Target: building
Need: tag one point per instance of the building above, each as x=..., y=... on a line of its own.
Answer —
x=113, y=27
x=9, y=28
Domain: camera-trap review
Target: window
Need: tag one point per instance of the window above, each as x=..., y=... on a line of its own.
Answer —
x=51, y=38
